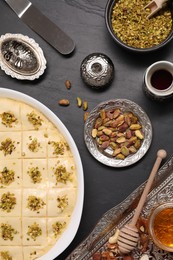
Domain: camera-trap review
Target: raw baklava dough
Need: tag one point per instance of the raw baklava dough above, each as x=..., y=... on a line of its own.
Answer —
x=37, y=179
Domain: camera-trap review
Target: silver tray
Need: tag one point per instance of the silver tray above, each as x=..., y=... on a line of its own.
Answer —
x=105, y=156
x=118, y=216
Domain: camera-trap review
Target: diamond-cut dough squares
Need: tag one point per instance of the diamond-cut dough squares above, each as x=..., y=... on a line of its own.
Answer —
x=11, y=173
x=34, y=144
x=33, y=252
x=32, y=226
x=56, y=227
x=42, y=192
x=61, y=202
x=62, y=172
x=32, y=119
x=57, y=145
x=12, y=206
x=34, y=203
x=9, y=115
x=35, y=173
x=10, y=231
x=15, y=252
x=10, y=145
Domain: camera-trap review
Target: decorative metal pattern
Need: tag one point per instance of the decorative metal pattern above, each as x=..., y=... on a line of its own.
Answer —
x=97, y=70
x=21, y=57
x=106, y=158
x=121, y=214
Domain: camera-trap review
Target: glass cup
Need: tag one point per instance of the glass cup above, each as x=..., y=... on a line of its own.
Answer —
x=161, y=226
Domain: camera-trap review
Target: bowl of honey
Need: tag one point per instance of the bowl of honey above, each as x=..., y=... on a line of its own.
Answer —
x=161, y=226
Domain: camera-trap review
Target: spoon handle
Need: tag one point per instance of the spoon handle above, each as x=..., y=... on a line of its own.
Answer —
x=161, y=154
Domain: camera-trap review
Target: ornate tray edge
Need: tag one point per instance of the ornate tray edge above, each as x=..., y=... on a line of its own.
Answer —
x=99, y=235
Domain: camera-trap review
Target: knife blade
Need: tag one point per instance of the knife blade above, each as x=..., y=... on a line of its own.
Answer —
x=39, y=23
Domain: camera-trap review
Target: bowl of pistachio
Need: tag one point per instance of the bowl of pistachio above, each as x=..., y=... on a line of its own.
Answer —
x=129, y=25
x=118, y=132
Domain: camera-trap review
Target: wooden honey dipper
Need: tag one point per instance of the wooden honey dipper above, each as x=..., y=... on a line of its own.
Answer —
x=128, y=236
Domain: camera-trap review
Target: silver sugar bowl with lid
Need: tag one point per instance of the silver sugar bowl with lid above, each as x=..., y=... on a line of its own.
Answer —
x=97, y=70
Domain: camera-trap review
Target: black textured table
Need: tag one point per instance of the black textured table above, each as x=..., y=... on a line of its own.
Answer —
x=84, y=21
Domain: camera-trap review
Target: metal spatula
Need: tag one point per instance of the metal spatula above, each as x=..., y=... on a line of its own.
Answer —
x=155, y=6
x=38, y=22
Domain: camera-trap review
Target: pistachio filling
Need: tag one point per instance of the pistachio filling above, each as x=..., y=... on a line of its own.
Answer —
x=34, y=145
x=7, y=232
x=58, y=147
x=8, y=119
x=62, y=202
x=35, y=203
x=7, y=202
x=5, y=255
x=35, y=174
x=7, y=146
x=57, y=228
x=62, y=175
x=67, y=146
x=33, y=253
x=6, y=176
x=35, y=120
x=34, y=231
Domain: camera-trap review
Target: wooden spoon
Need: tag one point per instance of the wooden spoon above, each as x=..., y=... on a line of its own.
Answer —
x=155, y=6
x=128, y=236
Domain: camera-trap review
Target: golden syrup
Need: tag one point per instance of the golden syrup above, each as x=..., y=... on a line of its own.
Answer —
x=163, y=227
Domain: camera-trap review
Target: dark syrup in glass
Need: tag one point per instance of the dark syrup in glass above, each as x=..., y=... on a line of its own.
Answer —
x=161, y=79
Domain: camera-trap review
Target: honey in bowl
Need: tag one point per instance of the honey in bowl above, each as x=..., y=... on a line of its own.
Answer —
x=161, y=226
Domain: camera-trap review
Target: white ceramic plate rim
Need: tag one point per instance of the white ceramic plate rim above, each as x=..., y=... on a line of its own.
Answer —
x=73, y=226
